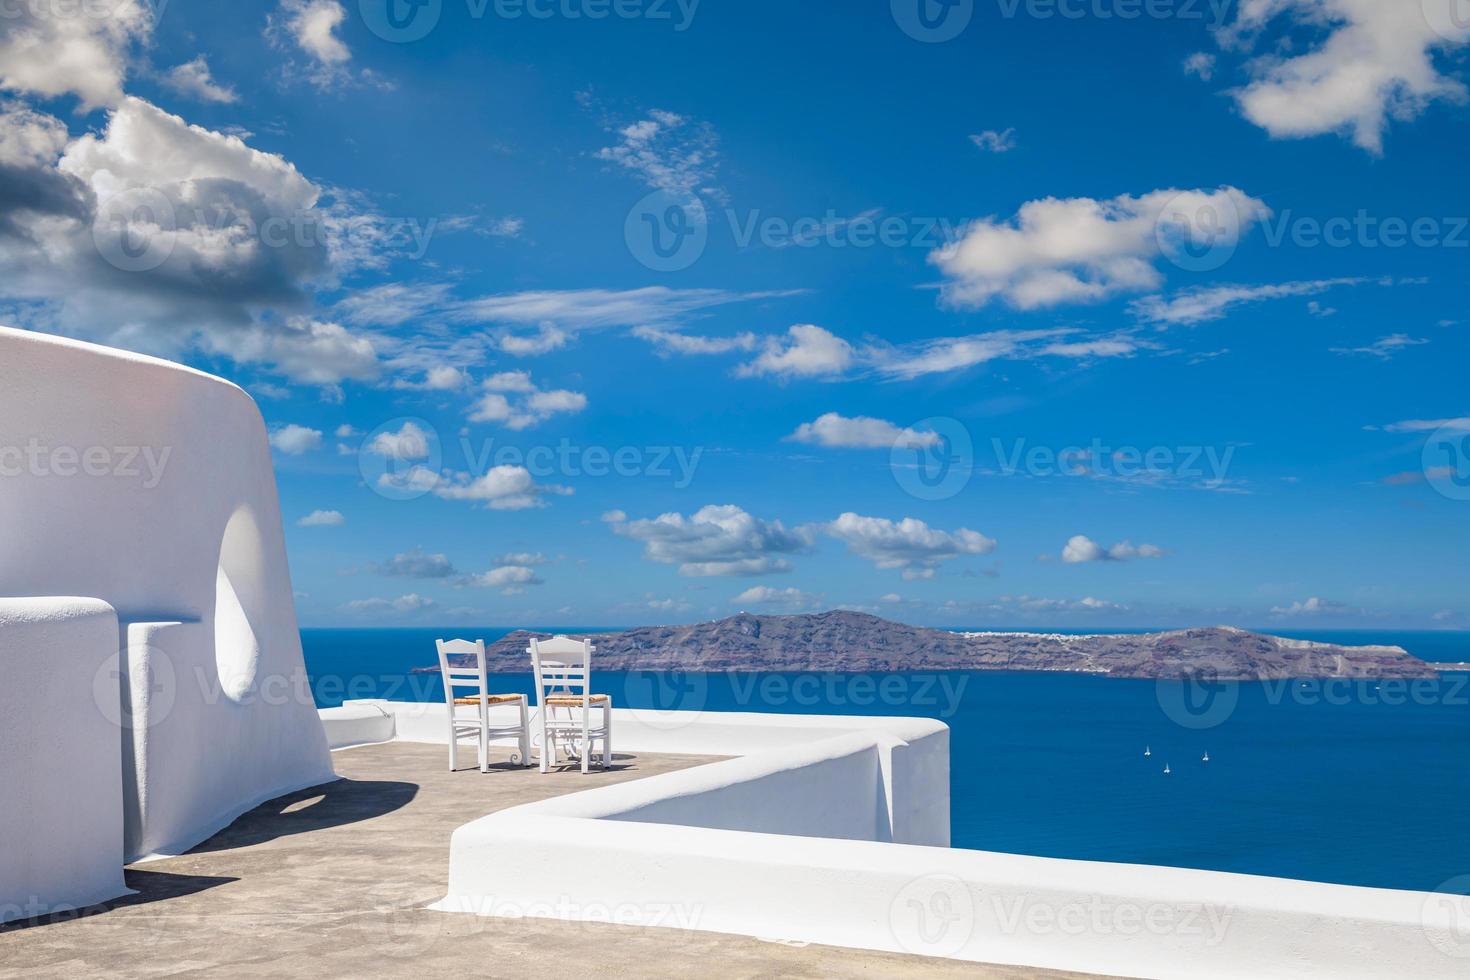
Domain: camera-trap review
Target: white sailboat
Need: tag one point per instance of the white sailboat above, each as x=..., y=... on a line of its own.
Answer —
x=1166, y=769
x=1207, y=756
x=1147, y=752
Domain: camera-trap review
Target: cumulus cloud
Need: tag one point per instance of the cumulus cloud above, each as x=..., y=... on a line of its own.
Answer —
x=790, y=599
x=509, y=579
x=499, y=488
x=411, y=603
x=547, y=339
x=415, y=563
x=513, y=400
x=1375, y=63
x=1080, y=548
x=1201, y=64
x=1308, y=607
x=50, y=49
x=1081, y=250
x=909, y=545
x=194, y=80
x=322, y=518
x=860, y=432
x=806, y=351
x=409, y=443
x=717, y=540
x=294, y=440
x=668, y=342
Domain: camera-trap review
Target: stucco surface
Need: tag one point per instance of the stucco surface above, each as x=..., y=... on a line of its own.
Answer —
x=332, y=882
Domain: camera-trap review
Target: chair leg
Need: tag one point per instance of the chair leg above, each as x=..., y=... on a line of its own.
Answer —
x=606, y=734
x=586, y=740
x=545, y=740
x=484, y=742
x=453, y=743
x=525, y=735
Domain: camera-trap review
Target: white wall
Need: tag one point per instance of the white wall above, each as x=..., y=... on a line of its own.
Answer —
x=150, y=486
x=790, y=840
x=61, y=794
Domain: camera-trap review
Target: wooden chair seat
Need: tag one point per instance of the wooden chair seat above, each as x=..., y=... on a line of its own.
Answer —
x=573, y=701
x=491, y=699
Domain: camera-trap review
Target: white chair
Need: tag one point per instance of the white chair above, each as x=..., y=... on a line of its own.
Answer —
x=564, y=701
x=476, y=675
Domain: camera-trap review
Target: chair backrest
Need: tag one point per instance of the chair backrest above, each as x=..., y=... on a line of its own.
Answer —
x=462, y=675
x=563, y=667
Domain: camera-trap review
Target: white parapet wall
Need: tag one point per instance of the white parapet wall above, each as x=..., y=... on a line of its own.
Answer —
x=149, y=486
x=822, y=830
x=61, y=836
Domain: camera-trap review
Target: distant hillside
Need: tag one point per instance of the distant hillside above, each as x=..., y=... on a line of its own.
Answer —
x=857, y=642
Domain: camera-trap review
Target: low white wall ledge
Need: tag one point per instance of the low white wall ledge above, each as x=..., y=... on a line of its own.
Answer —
x=61, y=791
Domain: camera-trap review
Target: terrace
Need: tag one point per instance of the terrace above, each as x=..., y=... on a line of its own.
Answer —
x=339, y=876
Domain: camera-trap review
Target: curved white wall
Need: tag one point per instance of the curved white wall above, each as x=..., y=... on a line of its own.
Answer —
x=150, y=486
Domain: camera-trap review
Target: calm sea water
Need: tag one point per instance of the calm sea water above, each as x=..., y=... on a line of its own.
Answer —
x=1349, y=782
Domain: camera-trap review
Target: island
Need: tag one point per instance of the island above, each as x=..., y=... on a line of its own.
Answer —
x=854, y=642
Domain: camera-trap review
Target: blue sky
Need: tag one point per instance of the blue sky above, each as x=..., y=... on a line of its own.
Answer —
x=1043, y=315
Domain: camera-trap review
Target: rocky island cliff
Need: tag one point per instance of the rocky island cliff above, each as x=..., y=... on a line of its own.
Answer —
x=860, y=643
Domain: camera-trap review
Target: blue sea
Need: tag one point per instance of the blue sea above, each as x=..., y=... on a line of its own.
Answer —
x=1360, y=783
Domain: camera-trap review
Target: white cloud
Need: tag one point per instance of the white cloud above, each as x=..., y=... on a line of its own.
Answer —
x=837, y=431
x=547, y=339
x=673, y=342
x=1309, y=607
x=1207, y=303
x=1081, y=250
x=667, y=152
x=499, y=488
x=1384, y=347
x=53, y=49
x=957, y=353
x=807, y=351
x=294, y=440
x=909, y=544
x=1423, y=425
x=614, y=516
x=509, y=579
x=1201, y=64
x=992, y=141
x=322, y=518
x=576, y=309
x=415, y=563
x=791, y=599
x=312, y=25
x=715, y=540
x=1376, y=62
x=409, y=443
x=304, y=350
x=506, y=227
x=193, y=79
x=1080, y=548
x=411, y=603
x=512, y=399
x=522, y=558
x=1039, y=604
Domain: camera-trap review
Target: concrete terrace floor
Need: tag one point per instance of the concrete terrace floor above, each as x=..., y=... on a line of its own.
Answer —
x=331, y=882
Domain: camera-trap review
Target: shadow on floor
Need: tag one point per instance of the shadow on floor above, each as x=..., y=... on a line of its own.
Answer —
x=150, y=886
x=316, y=808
